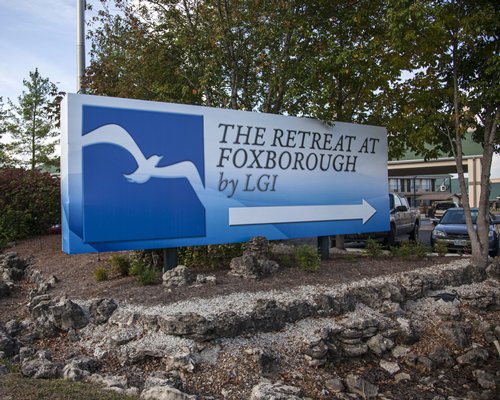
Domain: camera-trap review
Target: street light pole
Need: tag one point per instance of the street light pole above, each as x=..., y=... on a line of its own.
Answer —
x=80, y=45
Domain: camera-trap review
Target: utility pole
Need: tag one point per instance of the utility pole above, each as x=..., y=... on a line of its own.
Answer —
x=80, y=44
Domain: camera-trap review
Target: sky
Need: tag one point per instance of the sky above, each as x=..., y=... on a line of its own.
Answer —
x=42, y=34
x=37, y=34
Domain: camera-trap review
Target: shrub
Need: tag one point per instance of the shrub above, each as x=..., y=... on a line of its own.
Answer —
x=137, y=266
x=144, y=274
x=285, y=260
x=373, y=248
x=101, y=274
x=209, y=257
x=148, y=276
x=120, y=264
x=30, y=203
x=441, y=248
x=419, y=249
x=407, y=249
x=307, y=258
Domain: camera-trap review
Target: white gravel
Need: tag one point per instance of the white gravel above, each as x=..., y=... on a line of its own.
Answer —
x=243, y=303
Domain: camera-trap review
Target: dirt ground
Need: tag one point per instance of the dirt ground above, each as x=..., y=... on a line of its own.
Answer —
x=76, y=279
x=76, y=276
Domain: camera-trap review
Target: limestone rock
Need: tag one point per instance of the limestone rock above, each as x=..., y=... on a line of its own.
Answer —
x=456, y=333
x=402, y=376
x=163, y=378
x=334, y=385
x=255, y=262
x=12, y=267
x=275, y=391
x=4, y=289
x=80, y=368
x=41, y=369
x=353, y=350
x=108, y=381
x=400, y=351
x=8, y=344
x=391, y=367
x=191, y=325
x=441, y=357
x=474, y=357
x=206, y=279
x=165, y=393
x=379, y=344
x=361, y=387
x=62, y=314
x=101, y=310
x=181, y=361
x=179, y=276
x=258, y=246
x=484, y=379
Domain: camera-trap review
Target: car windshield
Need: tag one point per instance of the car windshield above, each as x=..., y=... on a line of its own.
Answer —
x=456, y=217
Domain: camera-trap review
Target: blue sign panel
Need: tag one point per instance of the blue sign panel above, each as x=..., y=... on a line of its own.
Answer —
x=138, y=175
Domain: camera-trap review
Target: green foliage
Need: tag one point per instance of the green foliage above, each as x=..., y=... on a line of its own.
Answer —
x=209, y=257
x=440, y=247
x=148, y=276
x=373, y=248
x=101, y=274
x=137, y=266
x=30, y=203
x=327, y=59
x=120, y=264
x=31, y=123
x=410, y=248
x=144, y=274
x=285, y=260
x=308, y=259
x=453, y=89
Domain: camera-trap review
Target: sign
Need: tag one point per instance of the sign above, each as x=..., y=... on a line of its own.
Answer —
x=140, y=175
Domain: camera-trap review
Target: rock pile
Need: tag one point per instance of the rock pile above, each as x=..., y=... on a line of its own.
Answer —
x=373, y=338
x=12, y=270
x=255, y=262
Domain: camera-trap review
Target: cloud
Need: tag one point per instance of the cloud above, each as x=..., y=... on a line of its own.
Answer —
x=49, y=14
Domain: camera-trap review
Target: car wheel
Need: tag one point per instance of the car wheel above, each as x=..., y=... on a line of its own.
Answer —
x=414, y=235
x=390, y=239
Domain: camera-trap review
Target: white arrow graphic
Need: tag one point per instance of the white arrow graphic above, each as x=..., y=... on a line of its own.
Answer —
x=286, y=214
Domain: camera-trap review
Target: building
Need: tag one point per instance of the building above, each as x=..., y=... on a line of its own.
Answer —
x=426, y=181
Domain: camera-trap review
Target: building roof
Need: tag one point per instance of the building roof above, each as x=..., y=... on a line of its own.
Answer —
x=469, y=148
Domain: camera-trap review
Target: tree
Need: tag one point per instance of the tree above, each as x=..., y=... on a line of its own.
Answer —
x=454, y=90
x=31, y=122
x=326, y=59
x=3, y=155
x=350, y=62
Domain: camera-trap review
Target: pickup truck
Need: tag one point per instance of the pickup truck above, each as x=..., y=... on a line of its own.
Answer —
x=403, y=220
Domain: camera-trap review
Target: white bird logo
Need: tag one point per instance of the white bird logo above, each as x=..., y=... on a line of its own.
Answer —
x=146, y=167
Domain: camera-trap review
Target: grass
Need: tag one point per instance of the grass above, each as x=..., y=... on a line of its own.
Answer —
x=16, y=387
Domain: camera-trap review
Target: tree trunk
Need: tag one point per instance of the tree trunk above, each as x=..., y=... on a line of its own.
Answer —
x=478, y=237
